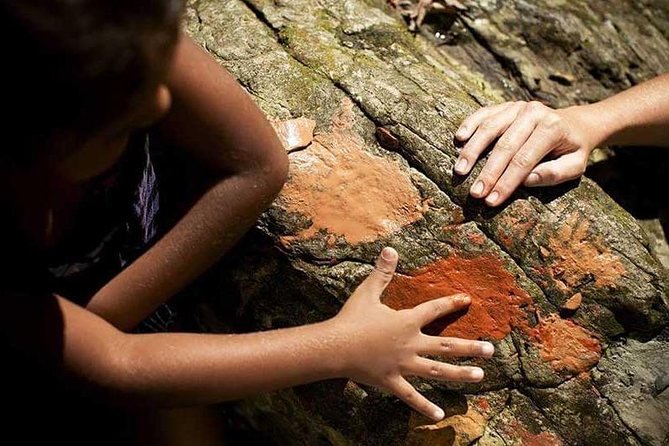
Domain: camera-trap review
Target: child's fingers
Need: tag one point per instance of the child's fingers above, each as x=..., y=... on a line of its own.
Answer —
x=383, y=273
x=471, y=122
x=406, y=392
x=567, y=167
x=455, y=347
x=489, y=130
x=434, y=309
x=430, y=369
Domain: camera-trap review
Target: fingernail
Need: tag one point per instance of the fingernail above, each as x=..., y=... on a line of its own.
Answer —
x=477, y=189
x=487, y=349
x=461, y=133
x=461, y=166
x=388, y=253
x=477, y=374
x=532, y=179
x=438, y=414
x=463, y=298
x=493, y=197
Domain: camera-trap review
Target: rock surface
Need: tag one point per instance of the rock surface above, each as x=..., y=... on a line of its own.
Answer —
x=377, y=172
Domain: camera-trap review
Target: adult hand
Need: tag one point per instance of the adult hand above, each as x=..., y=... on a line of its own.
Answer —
x=522, y=135
x=384, y=345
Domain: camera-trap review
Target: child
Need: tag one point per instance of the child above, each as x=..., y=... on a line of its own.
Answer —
x=85, y=80
x=535, y=145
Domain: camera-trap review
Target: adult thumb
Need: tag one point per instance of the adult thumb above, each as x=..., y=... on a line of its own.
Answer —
x=550, y=173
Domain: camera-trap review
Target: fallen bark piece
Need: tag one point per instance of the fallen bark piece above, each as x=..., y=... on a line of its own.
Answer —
x=295, y=133
x=573, y=303
x=386, y=139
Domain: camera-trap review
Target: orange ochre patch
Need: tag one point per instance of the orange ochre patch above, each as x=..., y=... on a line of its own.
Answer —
x=565, y=345
x=576, y=256
x=347, y=191
x=453, y=430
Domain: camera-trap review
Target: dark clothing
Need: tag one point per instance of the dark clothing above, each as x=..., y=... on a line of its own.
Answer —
x=119, y=218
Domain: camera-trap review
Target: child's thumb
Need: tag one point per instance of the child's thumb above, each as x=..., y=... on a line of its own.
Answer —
x=383, y=272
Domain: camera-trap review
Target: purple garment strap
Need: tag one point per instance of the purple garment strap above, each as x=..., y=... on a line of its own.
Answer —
x=147, y=199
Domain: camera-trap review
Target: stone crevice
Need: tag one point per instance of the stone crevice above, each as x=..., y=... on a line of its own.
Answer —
x=262, y=18
x=493, y=419
x=523, y=391
x=508, y=65
x=195, y=6
x=655, y=278
x=620, y=418
x=555, y=427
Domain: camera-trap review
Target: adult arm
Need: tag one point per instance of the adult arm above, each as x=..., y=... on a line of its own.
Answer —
x=535, y=145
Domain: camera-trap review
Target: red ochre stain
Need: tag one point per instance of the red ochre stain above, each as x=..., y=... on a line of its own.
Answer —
x=499, y=305
x=347, y=191
x=517, y=430
x=565, y=345
x=483, y=404
x=497, y=300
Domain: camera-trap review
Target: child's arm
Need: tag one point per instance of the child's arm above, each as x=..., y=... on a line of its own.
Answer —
x=217, y=122
x=525, y=133
x=367, y=341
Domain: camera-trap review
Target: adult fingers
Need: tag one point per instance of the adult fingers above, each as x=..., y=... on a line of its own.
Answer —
x=383, y=273
x=428, y=368
x=523, y=162
x=488, y=130
x=502, y=153
x=455, y=347
x=472, y=122
x=567, y=167
x=406, y=392
x=434, y=309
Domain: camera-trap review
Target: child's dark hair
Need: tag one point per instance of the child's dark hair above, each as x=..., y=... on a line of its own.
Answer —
x=78, y=64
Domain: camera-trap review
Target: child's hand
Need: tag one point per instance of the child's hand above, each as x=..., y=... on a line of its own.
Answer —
x=523, y=133
x=384, y=345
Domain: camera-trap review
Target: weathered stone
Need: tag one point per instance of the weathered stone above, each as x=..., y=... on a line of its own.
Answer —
x=581, y=415
x=561, y=52
x=520, y=423
x=633, y=377
x=378, y=172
